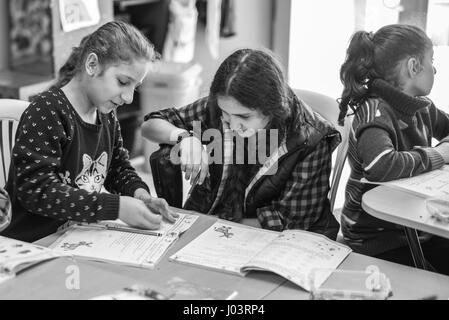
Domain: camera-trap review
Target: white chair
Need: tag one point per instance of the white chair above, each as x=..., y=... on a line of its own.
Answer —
x=10, y=112
x=327, y=107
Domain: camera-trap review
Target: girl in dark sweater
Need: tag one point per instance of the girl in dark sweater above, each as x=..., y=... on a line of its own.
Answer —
x=386, y=77
x=69, y=145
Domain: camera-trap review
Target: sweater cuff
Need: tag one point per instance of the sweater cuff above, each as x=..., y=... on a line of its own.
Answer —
x=435, y=158
x=133, y=186
x=110, y=207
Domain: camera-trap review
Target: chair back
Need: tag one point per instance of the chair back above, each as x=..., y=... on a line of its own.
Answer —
x=10, y=113
x=327, y=107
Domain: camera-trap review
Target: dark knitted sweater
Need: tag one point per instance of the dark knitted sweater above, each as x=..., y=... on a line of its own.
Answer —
x=59, y=166
x=391, y=139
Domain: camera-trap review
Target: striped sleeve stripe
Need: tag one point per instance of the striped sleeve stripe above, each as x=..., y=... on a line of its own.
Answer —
x=376, y=159
x=413, y=163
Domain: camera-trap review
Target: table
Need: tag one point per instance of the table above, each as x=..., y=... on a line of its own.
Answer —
x=48, y=280
x=404, y=209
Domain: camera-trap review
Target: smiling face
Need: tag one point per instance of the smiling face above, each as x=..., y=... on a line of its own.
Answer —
x=237, y=117
x=115, y=86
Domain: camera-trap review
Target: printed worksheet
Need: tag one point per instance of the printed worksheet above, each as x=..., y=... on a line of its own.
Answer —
x=296, y=253
x=226, y=247
x=430, y=184
x=5, y=277
x=182, y=224
x=292, y=254
x=127, y=248
x=17, y=255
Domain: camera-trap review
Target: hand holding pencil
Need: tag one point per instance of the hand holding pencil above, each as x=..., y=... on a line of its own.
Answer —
x=194, y=160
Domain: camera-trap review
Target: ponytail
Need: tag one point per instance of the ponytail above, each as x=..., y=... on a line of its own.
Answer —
x=72, y=65
x=356, y=72
x=378, y=56
x=114, y=42
x=68, y=70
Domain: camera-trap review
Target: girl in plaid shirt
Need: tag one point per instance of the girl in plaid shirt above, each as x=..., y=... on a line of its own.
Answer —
x=249, y=94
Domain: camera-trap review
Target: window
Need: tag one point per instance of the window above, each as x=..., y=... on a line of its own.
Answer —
x=320, y=33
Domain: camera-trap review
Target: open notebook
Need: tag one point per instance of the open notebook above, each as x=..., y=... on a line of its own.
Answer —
x=237, y=249
x=434, y=183
x=113, y=241
x=15, y=256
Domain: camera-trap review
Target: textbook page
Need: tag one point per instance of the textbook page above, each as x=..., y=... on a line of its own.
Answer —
x=5, y=277
x=17, y=255
x=121, y=247
x=182, y=224
x=295, y=253
x=430, y=184
x=224, y=246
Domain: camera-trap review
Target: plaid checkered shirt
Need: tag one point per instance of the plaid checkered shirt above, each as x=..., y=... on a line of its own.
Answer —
x=304, y=196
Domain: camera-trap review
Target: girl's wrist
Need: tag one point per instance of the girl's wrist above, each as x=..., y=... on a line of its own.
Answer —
x=142, y=194
x=176, y=134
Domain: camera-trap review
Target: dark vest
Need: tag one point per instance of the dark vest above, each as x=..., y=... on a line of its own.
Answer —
x=305, y=130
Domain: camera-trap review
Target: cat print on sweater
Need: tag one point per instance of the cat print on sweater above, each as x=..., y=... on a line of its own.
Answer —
x=92, y=177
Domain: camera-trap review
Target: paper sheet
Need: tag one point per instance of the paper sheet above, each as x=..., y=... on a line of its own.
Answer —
x=182, y=224
x=114, y=246
x=225, y=247
x=122, y=247
x=430, y=184
x=295, y=254
x=77, y=14
x=16, y=255
x=292, y=254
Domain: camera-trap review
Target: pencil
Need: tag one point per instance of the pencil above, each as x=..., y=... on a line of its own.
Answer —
x=121, y=228
x=134, y=230
x=195, y=182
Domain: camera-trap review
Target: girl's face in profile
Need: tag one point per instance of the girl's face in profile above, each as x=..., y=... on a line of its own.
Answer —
x=116, y=85
x=423, y=82
x=239, y=118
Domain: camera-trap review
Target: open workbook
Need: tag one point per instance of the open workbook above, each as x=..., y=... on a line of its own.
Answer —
x=15, y=256
x=237, y=249
x=113, y=241
x=434, y=183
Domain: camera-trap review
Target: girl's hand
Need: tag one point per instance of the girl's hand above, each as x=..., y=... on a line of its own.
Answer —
x=156, y=205
x=135, y=213
x=194, y=159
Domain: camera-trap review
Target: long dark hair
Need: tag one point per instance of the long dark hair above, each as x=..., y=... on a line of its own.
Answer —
x=377, y=56
x=113, y=42
x=255, y=79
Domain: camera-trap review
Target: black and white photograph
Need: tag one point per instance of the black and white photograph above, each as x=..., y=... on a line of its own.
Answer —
x=252, y=153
